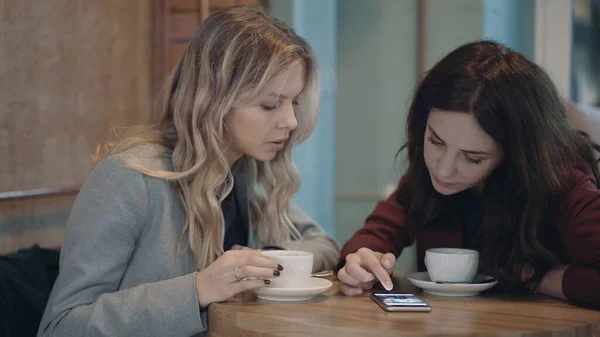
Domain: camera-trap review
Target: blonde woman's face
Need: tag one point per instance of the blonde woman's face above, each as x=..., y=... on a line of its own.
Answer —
x=259, y=131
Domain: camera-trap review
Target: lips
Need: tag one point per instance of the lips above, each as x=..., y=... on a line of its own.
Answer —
x=443, y=183
x=278, y=144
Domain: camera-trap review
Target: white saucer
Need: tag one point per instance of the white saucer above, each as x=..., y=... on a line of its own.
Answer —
x=316, y=286
x=422, y=281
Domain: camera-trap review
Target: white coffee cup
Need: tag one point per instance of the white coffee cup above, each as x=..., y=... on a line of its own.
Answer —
x=297, y=268
x=451, y=264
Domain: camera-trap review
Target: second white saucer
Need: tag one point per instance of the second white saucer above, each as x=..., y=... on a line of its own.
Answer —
x=422, y=281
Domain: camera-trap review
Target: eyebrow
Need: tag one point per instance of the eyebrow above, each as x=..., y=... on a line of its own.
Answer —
x=465, y=151
x=276, y=95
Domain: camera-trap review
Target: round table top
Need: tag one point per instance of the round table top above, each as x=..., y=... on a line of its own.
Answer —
x=333, y=314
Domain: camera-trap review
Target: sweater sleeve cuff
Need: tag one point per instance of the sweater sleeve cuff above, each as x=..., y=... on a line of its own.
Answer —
x=582, y=284
x=182, y=290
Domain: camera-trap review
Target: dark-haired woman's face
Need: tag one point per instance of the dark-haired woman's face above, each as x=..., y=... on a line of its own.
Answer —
x=458, y=153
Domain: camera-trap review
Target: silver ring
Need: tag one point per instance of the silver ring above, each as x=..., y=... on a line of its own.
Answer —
x=236, y=273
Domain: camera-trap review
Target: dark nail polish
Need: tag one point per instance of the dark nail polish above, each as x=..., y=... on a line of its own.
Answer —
x=267, y=281
x=279, y=267
x=276, y=272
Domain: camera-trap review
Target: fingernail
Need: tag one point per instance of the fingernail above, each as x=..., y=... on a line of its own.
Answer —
x=267, y=281
x=388, y=285
x=279, y=267
x=276, y=272
x=371, y=278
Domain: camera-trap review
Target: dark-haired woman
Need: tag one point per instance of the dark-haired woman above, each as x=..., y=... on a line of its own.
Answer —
x=494, y=166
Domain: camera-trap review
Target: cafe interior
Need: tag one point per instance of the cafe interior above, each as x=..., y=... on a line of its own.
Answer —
x=73, y=73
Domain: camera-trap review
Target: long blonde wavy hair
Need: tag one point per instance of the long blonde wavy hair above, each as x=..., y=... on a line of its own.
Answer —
x=235, y=56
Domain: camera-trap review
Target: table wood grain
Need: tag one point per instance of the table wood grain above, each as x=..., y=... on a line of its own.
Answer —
x=332, y=314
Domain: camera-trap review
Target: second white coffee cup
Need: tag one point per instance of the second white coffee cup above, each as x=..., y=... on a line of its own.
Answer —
x=452, y=264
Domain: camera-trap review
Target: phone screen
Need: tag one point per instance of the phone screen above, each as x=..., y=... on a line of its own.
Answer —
x=400, y=302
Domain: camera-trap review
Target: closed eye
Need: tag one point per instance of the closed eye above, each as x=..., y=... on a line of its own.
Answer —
x=472, y=160
x=268, y=107
x=435, y=142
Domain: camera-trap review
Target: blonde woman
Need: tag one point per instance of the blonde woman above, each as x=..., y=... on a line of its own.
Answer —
x=147, y=245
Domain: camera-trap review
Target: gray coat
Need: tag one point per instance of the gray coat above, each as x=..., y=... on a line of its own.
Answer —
x=122, y=272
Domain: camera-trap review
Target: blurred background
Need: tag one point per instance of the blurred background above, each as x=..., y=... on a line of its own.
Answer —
x=70, y=70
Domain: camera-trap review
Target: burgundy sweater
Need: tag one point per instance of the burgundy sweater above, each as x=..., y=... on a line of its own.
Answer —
x=578, y=228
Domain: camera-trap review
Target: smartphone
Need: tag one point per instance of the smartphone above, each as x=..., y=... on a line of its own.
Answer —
x=400, y=302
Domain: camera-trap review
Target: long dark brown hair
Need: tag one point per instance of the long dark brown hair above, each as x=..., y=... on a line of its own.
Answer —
x=516, y=103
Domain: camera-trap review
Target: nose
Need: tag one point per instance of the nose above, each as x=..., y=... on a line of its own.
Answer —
x=446, y=165
x=288, y=118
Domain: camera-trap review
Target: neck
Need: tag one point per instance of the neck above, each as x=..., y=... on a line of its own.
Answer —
x=479, y=187
x=232, y=157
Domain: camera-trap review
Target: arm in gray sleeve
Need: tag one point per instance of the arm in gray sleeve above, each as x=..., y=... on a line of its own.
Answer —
x=104, y=226
x=314, y=240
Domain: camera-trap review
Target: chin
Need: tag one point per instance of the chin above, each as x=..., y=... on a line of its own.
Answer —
x=447, y=190
x=264, y=157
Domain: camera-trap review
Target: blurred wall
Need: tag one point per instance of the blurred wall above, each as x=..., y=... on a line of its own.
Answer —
x=512, y=23
x=68, y=70
x=450, y=24
x=377, y=61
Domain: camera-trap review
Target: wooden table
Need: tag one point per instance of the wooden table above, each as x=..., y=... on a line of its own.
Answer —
x=332, y=314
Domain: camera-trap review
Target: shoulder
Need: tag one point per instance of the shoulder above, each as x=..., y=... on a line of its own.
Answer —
x=582, y=194
x=150, y=156
x=582, y=173
x=122, y=166
x=117, y=174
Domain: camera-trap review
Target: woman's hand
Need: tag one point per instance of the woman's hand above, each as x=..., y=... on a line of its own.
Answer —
x=363, y=269
x=550, y=284
x=234, y=272
x=527, y=273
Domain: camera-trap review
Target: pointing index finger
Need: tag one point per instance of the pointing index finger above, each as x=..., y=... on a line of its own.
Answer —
x=374, y=265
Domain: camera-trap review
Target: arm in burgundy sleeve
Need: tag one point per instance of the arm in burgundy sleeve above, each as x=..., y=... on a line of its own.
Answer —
x=384, y=230
x=579, y=225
